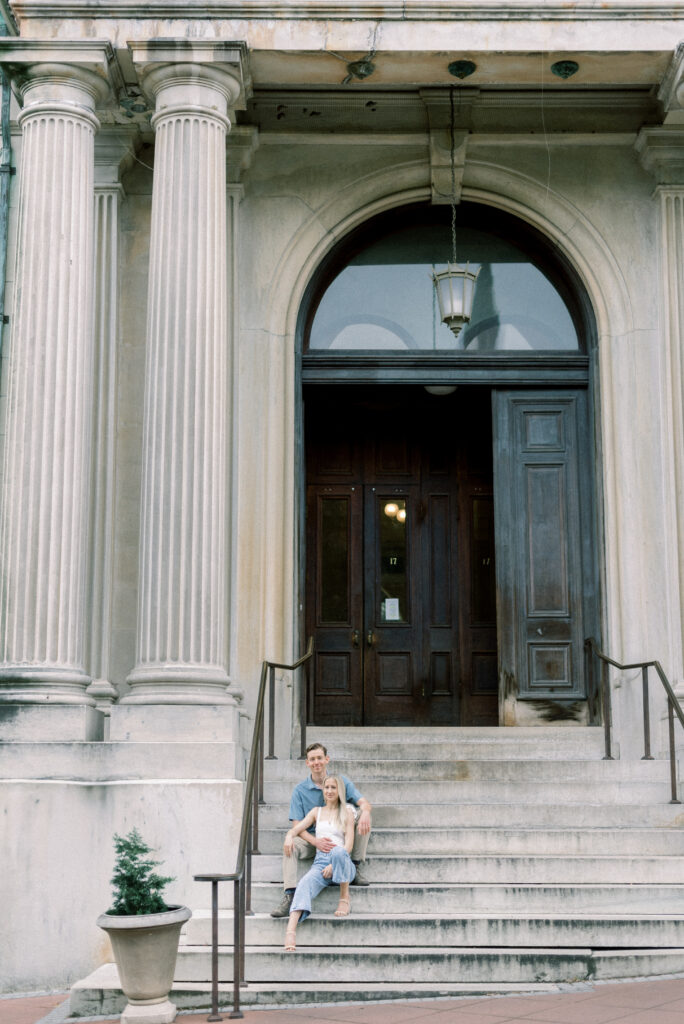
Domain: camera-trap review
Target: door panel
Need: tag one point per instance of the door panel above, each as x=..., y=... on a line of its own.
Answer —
x=393, y=688
x=335, y=597
x=541, y=486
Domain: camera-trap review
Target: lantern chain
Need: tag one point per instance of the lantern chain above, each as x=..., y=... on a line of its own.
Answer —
x=453, y=178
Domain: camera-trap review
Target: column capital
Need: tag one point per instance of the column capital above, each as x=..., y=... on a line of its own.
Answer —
x=661, y=152
x=115, y=149
x=242, y=145
x=86, y=65
x=211, y=64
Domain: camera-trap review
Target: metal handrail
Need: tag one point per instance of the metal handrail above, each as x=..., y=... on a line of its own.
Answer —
x=673, y=706
x=249, y=830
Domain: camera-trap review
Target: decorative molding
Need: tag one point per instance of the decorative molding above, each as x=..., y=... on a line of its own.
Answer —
x=513, y=112
x=671, y=92
x=661, y=151
x=390, y=10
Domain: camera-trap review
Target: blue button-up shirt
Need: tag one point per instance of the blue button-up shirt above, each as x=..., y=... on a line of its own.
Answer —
x=308, y=795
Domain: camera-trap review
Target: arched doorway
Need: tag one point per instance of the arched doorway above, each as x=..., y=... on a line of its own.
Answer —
x=450, y=552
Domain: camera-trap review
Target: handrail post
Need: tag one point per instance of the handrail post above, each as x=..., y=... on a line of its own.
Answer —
x=247, y=876
x=673, y=758
x=605, y=692
x=304, y=685
x=237, y=907
x=260, y=772
x=589, y=668
x=271, y=714
x=647, y=715
x=243, y=983
x=214, y=952
x=255, y=816
x=248, y=844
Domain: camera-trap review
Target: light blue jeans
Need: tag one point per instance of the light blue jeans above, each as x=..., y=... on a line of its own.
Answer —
x=313, y=881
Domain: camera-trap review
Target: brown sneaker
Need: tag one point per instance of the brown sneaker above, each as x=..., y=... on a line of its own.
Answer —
x=359, y=877
x=283, y=908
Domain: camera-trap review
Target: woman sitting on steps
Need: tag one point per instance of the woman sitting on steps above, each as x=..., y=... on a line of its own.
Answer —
x=335, y=820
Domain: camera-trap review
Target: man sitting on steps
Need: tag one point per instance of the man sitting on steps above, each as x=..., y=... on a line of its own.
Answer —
x=309, y=794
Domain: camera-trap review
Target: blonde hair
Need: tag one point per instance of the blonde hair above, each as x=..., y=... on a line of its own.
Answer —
x=339, y=817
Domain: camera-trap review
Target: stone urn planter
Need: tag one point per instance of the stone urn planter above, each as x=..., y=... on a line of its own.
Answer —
x=145, y=949
x=144, y=932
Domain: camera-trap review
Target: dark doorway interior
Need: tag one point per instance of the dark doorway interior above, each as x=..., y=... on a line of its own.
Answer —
x=400, y=556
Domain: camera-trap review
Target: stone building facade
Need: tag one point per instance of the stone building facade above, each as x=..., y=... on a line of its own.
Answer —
x=193, y=183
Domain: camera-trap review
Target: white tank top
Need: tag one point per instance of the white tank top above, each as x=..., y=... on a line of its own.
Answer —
x=326, y=830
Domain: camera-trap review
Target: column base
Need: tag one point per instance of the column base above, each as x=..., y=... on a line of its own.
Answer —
x=37, y=684
x=171, y=723
x=50, y=723
x=182, y=685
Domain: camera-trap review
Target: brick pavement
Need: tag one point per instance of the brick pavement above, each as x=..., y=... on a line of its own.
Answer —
x=641, y=1002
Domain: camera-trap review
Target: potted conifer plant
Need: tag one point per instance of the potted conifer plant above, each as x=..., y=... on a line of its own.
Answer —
x=144, y=932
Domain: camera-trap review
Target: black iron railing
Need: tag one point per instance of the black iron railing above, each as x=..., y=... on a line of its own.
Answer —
x=249, y=832
x=673, y=705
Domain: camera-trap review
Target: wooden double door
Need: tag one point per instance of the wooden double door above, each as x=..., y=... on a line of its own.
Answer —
x=400, y=557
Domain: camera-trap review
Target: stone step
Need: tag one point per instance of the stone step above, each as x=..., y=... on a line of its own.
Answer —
x=100, y=993
x=522, y=815
x=502, y=868
x=568, y=841
x=611, y=931
x=485, y=790
x=363, y=770
x=540, y=743
x=467, y=898
x=480, y=965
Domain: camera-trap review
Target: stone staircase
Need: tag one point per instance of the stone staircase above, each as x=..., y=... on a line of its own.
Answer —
x=501, y=860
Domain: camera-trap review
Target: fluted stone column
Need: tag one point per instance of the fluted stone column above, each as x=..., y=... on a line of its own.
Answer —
x=44, y=513
x=183, y=574
x=671, y=203
x=661, y=151
x=114, y=152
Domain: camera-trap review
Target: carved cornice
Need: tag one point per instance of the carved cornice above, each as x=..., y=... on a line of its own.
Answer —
x=390, y=10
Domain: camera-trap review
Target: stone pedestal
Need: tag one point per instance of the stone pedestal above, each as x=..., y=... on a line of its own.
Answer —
x=171, y=723
x=44, y=517
x=23, y=723
x=184, y=564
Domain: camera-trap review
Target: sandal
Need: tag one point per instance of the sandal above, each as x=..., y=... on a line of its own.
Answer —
x=290, y=944
x=340, y=912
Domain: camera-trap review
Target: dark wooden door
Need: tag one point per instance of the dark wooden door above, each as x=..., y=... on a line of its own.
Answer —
x=545, y=560
x=400, y=558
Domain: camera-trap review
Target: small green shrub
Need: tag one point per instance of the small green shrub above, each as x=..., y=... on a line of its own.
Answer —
x=137, y=888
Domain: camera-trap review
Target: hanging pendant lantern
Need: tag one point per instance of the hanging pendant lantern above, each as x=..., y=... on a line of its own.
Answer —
x=455, y=289
x=455, y=286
